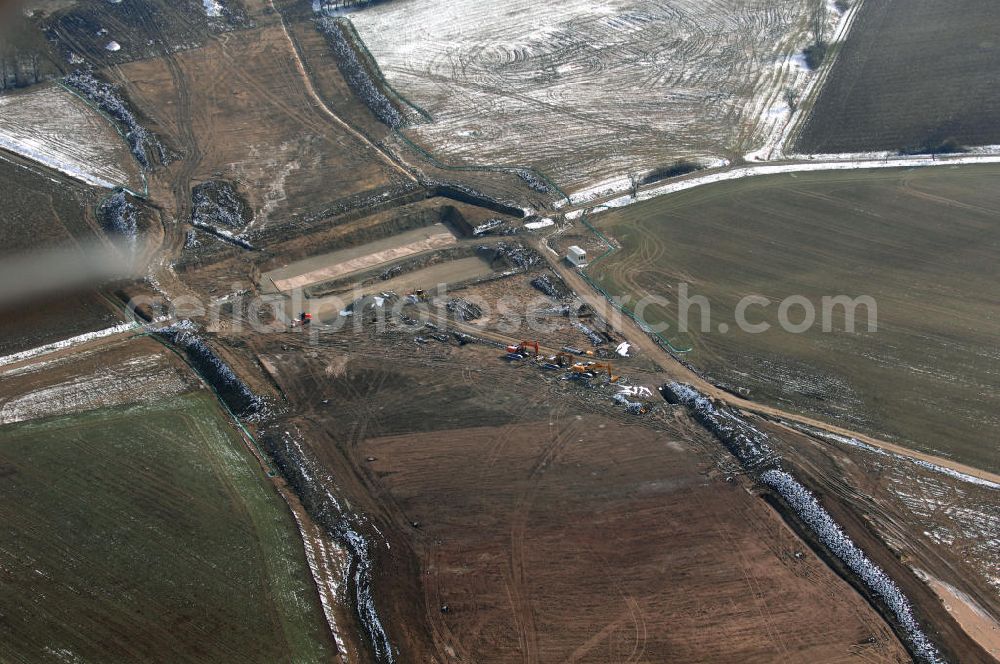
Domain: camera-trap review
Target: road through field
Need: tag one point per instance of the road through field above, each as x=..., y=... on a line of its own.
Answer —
x=311, y=89
x=802, y=164
x=677, y=371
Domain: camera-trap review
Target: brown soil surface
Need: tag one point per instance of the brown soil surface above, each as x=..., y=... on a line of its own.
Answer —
x=552, y=532
x=239, y=107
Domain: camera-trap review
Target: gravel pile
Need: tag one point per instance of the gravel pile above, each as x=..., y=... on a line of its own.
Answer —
x=515, y=254
x=120, y=218
x=594, y=337
x=748, y=443
x=535, y=182
x=841, y=545
x=218, y=203
x=233, y=391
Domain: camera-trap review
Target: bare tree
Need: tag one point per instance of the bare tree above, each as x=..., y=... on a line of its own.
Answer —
x=792, y=99
x=34, y=61
x=635, y=180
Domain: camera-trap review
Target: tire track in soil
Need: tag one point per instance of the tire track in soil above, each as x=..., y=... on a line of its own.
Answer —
x=755, y=591
x=516, y=581
x=633, y=611
x=172, y=240
x=524, y=613
x=311, y=90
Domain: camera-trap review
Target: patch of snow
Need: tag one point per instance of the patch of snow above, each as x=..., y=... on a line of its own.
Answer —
x=853, y=442
x=536, y=225
x=53, y=127
x=801, y=82
x=213, y=8
x=623, y=348
x=55, y=162
x=321, y=563
x=676, y=80
x=141, y=379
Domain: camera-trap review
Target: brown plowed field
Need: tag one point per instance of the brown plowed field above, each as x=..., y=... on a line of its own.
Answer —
x=513, y=522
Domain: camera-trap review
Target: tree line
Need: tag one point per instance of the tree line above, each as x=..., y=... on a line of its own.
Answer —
x=18, y=70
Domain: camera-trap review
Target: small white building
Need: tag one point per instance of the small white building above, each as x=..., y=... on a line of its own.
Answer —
x=576, y=256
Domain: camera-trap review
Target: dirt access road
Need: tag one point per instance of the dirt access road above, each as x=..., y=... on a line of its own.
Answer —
x=311, y=89
x=677, y=371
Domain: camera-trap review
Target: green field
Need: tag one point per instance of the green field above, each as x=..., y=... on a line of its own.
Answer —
x=924, y=243
x=148, y=534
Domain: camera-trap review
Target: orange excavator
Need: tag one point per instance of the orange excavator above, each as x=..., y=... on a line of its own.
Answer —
x=523, y=348
x=595, y=368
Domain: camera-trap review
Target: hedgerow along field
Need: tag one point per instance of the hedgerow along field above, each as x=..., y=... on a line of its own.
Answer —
x=913, y=75
x=148, y=534
x=921, y=242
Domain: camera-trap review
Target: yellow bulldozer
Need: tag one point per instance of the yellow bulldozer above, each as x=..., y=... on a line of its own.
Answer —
x=595, y=368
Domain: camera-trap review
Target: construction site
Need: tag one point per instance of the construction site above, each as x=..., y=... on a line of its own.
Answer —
x=383, y=386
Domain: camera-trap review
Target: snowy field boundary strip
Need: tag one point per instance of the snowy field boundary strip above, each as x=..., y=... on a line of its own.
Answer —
x=320, y=562
x=840, y=544
x=28, y=151
x=848, y=164
x=312, y=483
x=623, y=183
x=928, y=465
x=66, y=343
x=807, y=83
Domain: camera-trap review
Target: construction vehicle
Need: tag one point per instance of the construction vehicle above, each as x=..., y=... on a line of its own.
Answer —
x=523, y=348
x=595, y=368
x=303, y=320
x=417, y=296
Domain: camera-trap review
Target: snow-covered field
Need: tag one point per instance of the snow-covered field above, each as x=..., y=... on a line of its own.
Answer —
x=53, y=127
x=586, y=90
